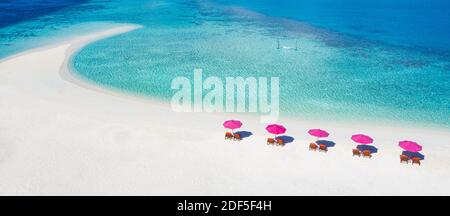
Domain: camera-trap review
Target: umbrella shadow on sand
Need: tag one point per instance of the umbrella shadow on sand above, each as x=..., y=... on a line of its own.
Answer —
x=414, y=154
x=372, y=149
x=244, y=134
x=326, y=143
x=286, y=139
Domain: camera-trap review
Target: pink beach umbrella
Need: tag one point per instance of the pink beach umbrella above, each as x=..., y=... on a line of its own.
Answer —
x=318, y=133
x=232, y=124
x=410, y=146
x=276, y=129
x=362, y=139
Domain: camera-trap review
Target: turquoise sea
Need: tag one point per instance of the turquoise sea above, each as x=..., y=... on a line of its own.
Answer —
x=383, y=60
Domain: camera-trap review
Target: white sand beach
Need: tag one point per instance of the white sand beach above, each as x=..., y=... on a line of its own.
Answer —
x=60, y=135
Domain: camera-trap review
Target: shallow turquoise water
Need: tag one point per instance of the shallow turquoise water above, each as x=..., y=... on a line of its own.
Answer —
x=332, y=76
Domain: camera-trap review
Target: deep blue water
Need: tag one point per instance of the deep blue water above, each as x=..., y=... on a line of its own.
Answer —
x=423, y=24
x=15, y=11
x=420, y=24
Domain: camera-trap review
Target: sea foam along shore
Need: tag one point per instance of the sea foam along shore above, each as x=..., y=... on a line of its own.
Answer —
x=58, y=137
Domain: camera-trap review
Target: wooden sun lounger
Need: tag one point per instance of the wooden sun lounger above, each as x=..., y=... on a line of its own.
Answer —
x=323, y=148
x=270, y=141
x=280, y=142
x=416, y=160
x=367, y=153
x=228, y=135
x=313, y=147
x=404, y=158
x=356, y=152
x=237, y=137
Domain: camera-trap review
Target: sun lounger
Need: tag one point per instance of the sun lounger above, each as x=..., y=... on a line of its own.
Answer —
x=280, y=142
x=228, y=135
x=356, y=152
x=270, y=141
x=367, y=153
x=313, y=147
x=404, y=158
x=416, y=160
x=323, y=148
x=237, y=137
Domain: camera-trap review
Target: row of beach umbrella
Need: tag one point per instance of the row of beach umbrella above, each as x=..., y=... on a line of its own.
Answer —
x=361, y=139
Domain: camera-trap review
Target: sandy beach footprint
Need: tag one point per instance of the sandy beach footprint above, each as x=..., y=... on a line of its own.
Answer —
x=117, y=135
